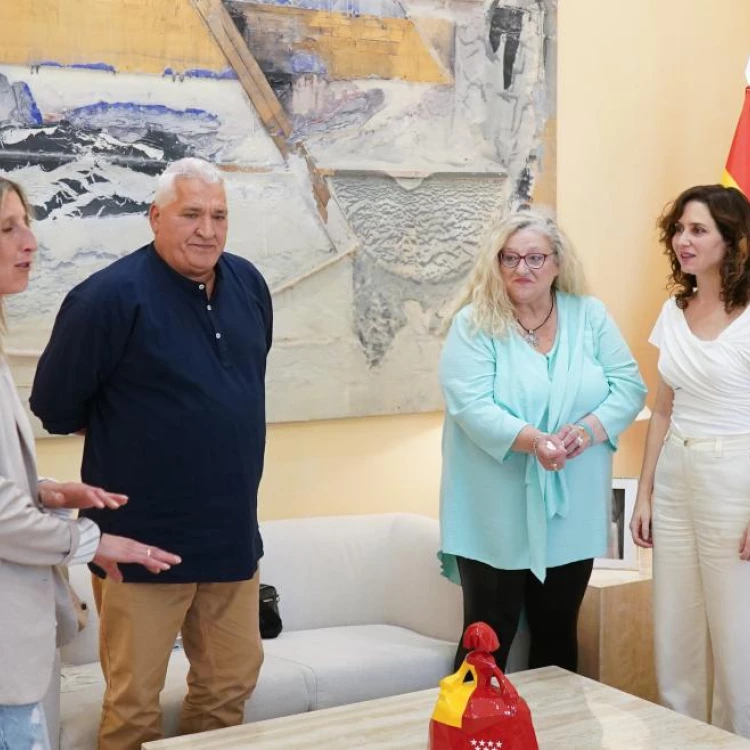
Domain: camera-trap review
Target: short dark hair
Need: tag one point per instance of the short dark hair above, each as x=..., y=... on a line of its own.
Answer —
x=730, y=209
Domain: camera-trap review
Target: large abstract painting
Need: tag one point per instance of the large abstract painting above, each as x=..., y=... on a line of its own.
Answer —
x=412, y=124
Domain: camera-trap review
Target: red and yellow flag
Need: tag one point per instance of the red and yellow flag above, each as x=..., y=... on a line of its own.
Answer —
x=737, y=171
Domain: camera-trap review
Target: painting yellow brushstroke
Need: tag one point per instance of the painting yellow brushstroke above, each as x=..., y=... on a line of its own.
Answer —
x=352, y=47
x=133, y=36
x=439, y=36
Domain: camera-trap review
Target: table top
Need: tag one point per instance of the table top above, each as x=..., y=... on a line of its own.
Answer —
x=569, y=711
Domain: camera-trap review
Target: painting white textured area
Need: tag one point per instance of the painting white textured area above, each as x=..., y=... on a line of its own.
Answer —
x=433, y=129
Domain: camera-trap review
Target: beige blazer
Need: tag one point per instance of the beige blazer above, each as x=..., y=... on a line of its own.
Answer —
x=32, y=541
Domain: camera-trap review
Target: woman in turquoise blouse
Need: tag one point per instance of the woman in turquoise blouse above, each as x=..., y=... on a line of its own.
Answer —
x=538, y=384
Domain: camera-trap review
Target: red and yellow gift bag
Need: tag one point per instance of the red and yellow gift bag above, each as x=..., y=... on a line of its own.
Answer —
x=485, y=712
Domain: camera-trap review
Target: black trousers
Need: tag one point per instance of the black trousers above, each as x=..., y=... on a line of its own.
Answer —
x=498, y=597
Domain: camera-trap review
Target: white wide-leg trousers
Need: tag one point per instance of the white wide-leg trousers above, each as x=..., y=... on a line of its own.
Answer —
x=701, y=506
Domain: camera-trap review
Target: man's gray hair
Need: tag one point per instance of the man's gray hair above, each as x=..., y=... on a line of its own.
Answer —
x=189, y=168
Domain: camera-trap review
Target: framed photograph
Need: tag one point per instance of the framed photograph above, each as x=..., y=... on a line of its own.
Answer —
x=621, y=550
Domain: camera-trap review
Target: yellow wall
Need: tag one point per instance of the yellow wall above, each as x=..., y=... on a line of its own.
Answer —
x=649, y=94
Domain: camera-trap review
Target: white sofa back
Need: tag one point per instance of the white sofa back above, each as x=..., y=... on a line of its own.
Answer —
x=338, y=570
x=419, y=598
x=361, y=570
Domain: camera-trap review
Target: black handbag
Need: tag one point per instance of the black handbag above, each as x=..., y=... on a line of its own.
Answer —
x=270, y=619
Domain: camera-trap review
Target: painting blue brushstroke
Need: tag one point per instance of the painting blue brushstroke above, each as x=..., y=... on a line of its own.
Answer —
x=307, y=62
x=17, y=104
x=380, y=8
x=224, y=75
x=103, y=67
x=26, y=103
x=95, y=66
x=133, y=115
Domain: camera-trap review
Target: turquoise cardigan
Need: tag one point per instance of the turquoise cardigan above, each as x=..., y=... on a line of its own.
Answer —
x=501, y=507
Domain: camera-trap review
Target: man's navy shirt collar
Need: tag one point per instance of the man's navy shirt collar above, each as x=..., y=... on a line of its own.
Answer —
x=189, y=285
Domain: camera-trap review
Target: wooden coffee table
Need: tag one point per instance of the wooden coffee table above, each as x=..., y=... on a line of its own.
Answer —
x=570, y=713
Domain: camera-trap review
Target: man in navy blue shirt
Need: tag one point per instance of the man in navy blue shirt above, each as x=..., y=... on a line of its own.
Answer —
x=160, y=360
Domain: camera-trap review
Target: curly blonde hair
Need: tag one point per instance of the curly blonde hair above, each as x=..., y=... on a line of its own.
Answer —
x=492, y=310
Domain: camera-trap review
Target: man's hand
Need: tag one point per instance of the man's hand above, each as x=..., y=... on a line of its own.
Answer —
x=77, y=495
x=118, y=549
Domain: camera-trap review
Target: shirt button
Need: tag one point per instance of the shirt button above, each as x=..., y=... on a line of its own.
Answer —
x=218, y=335
x=208, y=307
x=201, y=286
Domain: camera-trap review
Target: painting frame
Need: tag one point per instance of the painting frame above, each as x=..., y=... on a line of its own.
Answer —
x=622, y=552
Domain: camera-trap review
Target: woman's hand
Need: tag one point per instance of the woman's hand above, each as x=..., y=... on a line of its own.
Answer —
x=745, y=544
x=575, y=439
x=72, y=495
x=550, y=452
x=117, y=549
x=640, y=523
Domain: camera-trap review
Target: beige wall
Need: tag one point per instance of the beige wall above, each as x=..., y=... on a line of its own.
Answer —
x=338, y=466
x=649, y=94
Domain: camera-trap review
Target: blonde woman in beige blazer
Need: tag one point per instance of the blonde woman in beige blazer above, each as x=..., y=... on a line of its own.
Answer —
x=38, y=535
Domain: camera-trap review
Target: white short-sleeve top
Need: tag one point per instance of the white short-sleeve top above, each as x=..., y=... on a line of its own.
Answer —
x=710, y=379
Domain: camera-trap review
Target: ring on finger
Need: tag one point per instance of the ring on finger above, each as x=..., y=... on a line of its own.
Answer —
x=148, y=551
x=579, y=440
x=554, y=466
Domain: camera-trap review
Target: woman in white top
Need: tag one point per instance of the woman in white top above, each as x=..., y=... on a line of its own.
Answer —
x=38, y=535
x=693, y=501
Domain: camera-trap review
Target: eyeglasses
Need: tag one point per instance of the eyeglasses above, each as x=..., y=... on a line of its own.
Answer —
x=534, y=261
